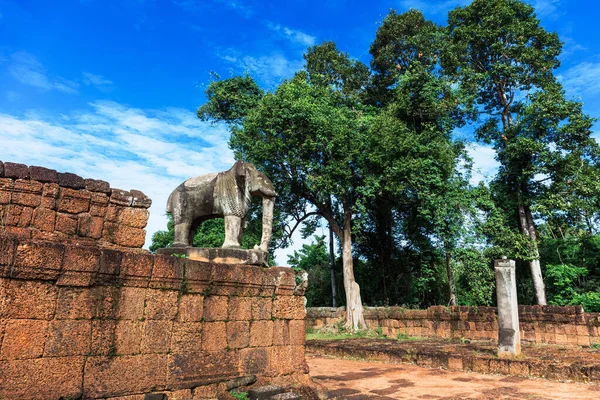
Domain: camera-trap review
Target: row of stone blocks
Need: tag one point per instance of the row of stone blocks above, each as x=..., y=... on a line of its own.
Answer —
x=39, y=203
x=82, y=321
x=539, y=324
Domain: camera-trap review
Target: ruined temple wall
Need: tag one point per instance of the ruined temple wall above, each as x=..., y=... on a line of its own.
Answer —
x=90, y=322
x=40, y=203
x=539, y=324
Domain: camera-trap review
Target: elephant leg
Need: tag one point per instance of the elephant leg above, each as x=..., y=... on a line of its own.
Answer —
x=182, y=235
x=267, y=223
x=233, y=229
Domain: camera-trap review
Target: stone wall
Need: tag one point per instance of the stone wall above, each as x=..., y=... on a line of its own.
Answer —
x=539, y=324
x=90, y=322
x=40, y=203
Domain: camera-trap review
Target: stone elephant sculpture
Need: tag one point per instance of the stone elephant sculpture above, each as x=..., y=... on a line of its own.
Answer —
x=225, y=194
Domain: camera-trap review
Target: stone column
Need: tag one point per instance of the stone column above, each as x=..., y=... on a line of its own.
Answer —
x=509, y=335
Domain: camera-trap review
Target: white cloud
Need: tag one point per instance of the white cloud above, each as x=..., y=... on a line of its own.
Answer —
x=546, y=8
x=270, y=70
x=244, y=10
x=149, y=150
x=583, y=79
x=295, y=36
x=433, y=7
x=98, y=81
x=25, y=68
x=485, y=165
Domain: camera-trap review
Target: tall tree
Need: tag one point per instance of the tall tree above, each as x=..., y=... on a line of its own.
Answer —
x=502, y=54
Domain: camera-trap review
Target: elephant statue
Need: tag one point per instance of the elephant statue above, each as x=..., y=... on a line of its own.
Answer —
x=225, y=194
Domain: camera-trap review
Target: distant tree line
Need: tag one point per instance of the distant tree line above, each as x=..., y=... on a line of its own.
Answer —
x=370, y=150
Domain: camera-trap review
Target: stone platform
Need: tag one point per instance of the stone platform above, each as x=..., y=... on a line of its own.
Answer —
x=220, y=255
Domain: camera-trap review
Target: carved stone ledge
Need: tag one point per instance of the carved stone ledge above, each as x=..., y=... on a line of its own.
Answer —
x=219, y=255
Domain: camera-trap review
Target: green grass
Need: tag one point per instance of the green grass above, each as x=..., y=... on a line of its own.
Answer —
x=595, y=346
x=239, y=395
x=338, y=332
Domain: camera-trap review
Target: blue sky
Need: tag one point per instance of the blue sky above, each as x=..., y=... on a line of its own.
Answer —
x=108, y=88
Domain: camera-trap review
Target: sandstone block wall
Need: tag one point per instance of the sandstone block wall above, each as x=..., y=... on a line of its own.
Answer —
x=539, y=324
x=40, y=203
x=81, y=321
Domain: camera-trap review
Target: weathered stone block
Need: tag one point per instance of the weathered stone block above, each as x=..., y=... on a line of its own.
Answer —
x=191, y=308
x=81, y=258
x=253, y=360
x=140, y=199
x=240, y=308
x=69, y=180
x=261, y=333
x=157, y=336
x=42, y=174
x=167, y=272
x=68, y=338
x=288, y=307
x=66, y=224
x=7, y=250
x=16, y=171
x=42, y=378
x=96, y=185
x=121, y=197
x=297, y=332
x=134, y=217
x=214, y=336
x=197, y=276
x=131, y=303
x=265, y=392
x=161, y=304
x=281, y=332
x=23, y=338
x=128, y=337
x=136, y=268
x=124, y=375
x=215, y=367
x=123, y=235
x=280, y=360
x=27, y=193
x=215, y=308
x=43, y=219
x=238, y=334
x=186, y=337
x=109, y=267
x=104, y=337
x=6, y=188
x=74, y=303
x=74, y=201
x=90, y=226
x=30, y=300
x=50, y=196
x=205, y=392
x=262, y=308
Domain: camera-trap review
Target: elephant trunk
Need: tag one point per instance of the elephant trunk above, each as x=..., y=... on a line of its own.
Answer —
x=267, y=222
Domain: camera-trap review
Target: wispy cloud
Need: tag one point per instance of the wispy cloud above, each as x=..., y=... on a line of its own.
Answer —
x=238, y=6
x=295, y=36
x=25, y=68
x=269, y=69
x=583, y=79
x=547, y=8
x=433, y=7
x=149, y=150
x=97, y=81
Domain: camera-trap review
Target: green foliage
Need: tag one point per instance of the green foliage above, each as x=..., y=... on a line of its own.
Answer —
x=230, y=98
x=314, y=259
x=239, y=395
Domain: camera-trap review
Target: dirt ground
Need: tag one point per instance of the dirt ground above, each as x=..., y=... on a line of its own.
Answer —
x=356, y=380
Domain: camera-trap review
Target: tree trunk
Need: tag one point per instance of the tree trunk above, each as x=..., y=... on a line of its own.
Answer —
x=450, y=272
x=331, y=266
x=528, y=229
x=355, y=319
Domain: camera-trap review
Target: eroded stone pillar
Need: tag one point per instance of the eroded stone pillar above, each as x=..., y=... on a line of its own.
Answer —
x=509, y=335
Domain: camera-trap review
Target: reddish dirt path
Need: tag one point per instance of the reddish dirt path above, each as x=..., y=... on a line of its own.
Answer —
x=357, y=380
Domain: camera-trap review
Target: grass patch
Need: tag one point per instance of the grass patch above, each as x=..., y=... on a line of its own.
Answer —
x=239, y=395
